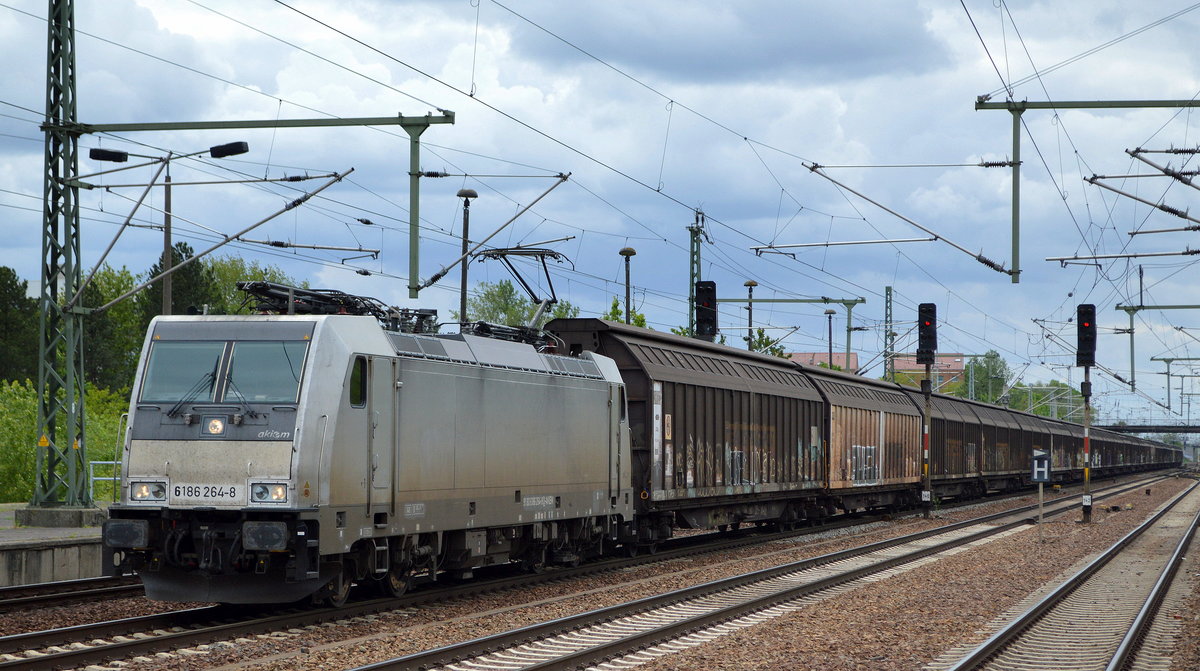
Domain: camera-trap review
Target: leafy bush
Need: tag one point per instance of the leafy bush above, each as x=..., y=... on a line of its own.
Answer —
x=18, y=436
x=18, y=445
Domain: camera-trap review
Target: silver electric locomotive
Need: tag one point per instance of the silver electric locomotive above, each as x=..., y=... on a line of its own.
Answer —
x=271, y=458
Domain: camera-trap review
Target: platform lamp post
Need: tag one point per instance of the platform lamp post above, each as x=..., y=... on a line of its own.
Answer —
x=466, y=195
x=750, y=284
x=219, y=151
x=627, y=252
x=829, y=316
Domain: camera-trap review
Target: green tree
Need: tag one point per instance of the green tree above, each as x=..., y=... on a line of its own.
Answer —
x=766, y=345
x=617, y=314
x=687, y=333
x=1048, y=399
x=113, y=338
x=991, y=375
x=192, y=287
x=18, y=426
x=227, y=271
x=18, y=422
x=499, y=303
x=18, y=328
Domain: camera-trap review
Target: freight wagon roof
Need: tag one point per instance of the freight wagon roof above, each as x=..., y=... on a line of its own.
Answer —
x=858, y=392
x=996, y=416
x=670, y=358
x=1030, y=422
x=1060, y=427
x=945, y=407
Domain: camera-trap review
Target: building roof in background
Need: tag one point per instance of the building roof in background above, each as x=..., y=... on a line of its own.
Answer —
x=943, y=363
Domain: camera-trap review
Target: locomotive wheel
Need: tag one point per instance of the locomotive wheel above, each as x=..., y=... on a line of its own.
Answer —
x=534, y=561
x=338, y=590
x=533, y=566
x=395, y=583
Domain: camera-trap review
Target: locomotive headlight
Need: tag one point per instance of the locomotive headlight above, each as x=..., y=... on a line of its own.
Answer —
x=148, y=491
x=268, y=492
x=215, y=426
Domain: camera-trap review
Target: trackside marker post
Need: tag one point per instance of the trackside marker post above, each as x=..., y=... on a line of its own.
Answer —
x=1040, y=475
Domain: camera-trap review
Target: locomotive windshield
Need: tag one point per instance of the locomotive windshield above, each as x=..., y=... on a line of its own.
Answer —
x=258, y=371
x=265, y=372
x=182, y=370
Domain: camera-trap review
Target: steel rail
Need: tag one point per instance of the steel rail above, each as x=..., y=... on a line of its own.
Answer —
x=1145, y=617
x=60, y=598
x=197, y=634
x=460, y=652
x=1006, y=636
x=44, y=594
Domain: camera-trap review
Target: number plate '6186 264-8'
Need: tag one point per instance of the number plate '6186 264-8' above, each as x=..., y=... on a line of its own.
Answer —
x=200, y=494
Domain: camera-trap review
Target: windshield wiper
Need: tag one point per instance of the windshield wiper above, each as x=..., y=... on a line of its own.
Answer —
x=193, y=392
x=241, y=398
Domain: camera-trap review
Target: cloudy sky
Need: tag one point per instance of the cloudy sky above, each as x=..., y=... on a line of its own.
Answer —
x=659, y=110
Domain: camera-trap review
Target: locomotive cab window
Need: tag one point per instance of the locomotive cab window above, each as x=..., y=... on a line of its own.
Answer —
x=358, y=382
x=266, y=371
x=209, y=371
x=182, y=371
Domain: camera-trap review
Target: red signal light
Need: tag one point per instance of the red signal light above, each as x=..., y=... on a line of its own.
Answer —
x=1085, y=350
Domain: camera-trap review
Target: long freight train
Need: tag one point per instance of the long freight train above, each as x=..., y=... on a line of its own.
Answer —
x=271, y=458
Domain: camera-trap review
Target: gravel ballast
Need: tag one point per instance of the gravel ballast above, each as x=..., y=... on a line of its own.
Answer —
x=902, y=622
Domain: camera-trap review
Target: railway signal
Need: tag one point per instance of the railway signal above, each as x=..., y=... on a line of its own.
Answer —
x=1085, y=329
x=926, y=347
x=1085, y=355
x=706, y=309
x=926, y=332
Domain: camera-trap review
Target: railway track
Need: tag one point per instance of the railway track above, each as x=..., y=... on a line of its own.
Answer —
x=48, y=594
x=131, y=637
x=624, y=635
x=1098, y=618
x=149, y=634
